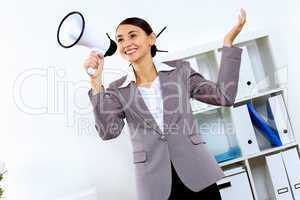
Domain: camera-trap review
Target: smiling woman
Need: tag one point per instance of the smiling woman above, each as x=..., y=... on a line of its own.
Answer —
x=171, y=159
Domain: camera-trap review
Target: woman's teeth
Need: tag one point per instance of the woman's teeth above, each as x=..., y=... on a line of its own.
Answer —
x=130, y=51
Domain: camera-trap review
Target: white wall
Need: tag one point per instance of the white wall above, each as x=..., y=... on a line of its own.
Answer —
x=52, y=155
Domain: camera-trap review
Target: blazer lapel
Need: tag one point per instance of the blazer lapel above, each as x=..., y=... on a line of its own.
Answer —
x=171, y=96
x=140, y=108
x=170, y=104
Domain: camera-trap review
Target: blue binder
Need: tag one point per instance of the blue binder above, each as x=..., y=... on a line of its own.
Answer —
x=260, y=123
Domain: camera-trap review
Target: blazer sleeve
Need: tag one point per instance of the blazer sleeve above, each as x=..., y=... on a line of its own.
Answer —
x=108, y=113
x=223, y=92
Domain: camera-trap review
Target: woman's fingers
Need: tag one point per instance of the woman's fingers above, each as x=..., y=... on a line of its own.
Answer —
x=241, y=21
x=90, y=63
x=231, y=35
x=94, y=59
x=243, y=13
x=96, y=54
x=242, y=17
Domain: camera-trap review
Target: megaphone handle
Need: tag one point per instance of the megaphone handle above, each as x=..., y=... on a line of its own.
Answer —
x=91, y=70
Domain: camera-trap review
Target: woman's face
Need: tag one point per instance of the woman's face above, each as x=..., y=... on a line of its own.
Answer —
x=133, y=42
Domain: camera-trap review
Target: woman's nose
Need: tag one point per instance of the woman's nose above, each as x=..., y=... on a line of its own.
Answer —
x=127, y=43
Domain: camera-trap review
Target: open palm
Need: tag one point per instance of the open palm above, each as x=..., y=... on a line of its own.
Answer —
x=231, y=35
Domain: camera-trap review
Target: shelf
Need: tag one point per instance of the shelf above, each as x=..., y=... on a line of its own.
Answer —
x=261, y=94
x=230, y=162
x=262, y=153
x=242, y=100
x=272, y=150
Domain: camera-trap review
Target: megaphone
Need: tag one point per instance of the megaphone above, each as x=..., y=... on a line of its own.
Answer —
x=73, y=30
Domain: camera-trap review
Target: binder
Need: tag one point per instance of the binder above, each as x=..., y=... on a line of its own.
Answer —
x=292, y=166
x=270, y=117
x=235, y=184
x=281, y=119
x=279, y=179
x=247, y=82
x=245, y=131
x=260, y=123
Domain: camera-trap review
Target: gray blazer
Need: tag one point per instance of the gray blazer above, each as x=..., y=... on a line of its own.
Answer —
x=179, y=142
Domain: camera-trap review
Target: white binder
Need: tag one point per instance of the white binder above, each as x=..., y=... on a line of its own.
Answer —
x=247, y=83
x=279, y=179
x=245, y=131
x=281, y=119
x=235, y=184
x=292, y=166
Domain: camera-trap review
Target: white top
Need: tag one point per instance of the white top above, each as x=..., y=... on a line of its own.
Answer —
x=153, y=98
x=131, y=75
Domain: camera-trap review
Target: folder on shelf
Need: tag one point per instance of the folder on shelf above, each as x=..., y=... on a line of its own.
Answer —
x=279, y=179
x=281, y=119
x=292, y=165
x=244, y=130
x=247, y=83
x=261, y=124
x=234, y=184
x=270, y=117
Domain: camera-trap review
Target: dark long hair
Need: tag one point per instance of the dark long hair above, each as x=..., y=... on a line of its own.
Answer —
x=143, y=25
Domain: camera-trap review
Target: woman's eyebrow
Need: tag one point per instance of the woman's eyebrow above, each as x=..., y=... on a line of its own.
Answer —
x=128, y=33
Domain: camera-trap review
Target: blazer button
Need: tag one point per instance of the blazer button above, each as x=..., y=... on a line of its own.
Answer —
x=163, y=137
x=106, y=95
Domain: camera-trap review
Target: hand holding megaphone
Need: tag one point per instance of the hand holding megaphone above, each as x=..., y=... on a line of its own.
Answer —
x=73, y=30
x=94, y=62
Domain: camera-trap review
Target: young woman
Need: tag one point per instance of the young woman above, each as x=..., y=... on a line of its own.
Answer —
x=171, y=159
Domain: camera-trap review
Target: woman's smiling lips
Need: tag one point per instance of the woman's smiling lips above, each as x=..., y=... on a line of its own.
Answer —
x=130, y=51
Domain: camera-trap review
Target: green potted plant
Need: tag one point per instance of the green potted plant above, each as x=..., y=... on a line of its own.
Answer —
x=1, y=190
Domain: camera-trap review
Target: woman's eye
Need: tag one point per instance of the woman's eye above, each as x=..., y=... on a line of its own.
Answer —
x=133, y=35
x=120, y=40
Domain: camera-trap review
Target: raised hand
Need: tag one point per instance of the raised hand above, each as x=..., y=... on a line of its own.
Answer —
x=231, y=35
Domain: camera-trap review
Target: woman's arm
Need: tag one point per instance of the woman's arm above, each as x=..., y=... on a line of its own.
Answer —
x=224, y=91
x=108, y=112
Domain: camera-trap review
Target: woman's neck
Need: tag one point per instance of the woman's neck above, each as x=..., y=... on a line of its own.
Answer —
x=144, y=70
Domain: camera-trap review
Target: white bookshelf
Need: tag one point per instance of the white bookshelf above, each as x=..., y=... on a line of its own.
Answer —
x=260, y=80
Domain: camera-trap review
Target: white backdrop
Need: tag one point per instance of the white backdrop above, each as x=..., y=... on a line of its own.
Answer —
x=48, y=140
